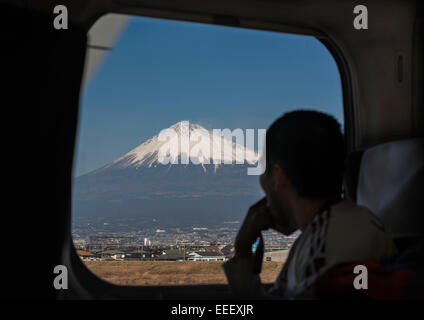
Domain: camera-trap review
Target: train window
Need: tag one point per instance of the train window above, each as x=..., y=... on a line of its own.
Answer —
x=170, y=129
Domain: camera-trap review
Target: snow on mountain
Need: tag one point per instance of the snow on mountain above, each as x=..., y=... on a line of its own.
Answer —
x=194, y=138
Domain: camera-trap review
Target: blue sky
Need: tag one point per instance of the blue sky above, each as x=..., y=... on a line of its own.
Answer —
x=161, y=72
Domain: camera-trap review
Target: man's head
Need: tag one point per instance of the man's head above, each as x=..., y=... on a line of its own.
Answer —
x=304, y=161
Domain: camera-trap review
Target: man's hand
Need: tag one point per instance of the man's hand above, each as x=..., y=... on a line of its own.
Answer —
x=258, y=218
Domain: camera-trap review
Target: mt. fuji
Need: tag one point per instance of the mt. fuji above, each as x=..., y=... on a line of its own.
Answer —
x=194, y=187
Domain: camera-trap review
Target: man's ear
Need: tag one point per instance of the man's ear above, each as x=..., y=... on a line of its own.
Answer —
x=280, y=177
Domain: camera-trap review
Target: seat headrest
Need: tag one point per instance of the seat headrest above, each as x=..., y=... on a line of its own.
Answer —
x=391, y=184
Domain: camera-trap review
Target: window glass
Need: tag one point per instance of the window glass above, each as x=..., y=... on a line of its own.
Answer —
x=146, y=213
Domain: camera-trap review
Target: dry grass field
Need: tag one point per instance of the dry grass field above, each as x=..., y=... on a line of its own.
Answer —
x=170, y=272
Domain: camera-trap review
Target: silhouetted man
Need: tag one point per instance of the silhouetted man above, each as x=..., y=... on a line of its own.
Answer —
x=303, y=185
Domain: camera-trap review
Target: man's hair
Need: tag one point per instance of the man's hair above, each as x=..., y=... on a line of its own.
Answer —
x=309, y=146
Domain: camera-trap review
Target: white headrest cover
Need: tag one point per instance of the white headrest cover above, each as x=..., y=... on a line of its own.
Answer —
x=391, y=184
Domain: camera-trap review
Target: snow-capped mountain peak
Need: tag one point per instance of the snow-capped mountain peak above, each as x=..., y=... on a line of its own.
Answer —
x=185, y=143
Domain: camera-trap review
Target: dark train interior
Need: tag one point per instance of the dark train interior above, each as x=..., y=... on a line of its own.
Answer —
x=383, y=101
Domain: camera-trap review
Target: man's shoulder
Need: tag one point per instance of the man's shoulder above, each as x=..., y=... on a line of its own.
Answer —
x=348, y=215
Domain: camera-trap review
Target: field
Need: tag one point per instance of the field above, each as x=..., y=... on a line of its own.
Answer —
x=170, y=272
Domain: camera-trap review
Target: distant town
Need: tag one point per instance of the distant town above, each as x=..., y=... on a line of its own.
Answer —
x=126, y=240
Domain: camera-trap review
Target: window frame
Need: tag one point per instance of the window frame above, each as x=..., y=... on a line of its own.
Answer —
x=85, y=283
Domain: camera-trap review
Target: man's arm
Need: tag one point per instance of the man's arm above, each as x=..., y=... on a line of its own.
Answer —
x=240, y=270
x=243, y=282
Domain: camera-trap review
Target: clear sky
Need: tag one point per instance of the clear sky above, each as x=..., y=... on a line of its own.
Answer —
x=161, y=72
